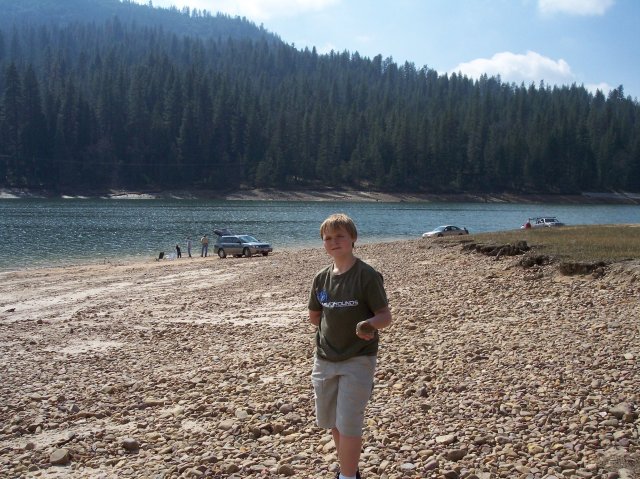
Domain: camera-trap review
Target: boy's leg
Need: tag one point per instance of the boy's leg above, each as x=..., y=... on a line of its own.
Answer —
x=325, y=388
x=348, y=449
x=354, y=391
x=336, y=440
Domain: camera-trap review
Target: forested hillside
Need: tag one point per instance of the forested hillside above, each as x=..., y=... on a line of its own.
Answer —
x=118, y=102
x=181, y=22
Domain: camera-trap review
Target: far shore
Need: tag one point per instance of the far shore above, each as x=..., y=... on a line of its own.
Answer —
x=335, y=194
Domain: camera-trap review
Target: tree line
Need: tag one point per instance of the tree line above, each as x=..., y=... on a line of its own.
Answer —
x=116, y=104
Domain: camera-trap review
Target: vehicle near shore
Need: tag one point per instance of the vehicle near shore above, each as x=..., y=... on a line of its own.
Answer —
x=446, y=230
x=541, y=222
x=240, y=245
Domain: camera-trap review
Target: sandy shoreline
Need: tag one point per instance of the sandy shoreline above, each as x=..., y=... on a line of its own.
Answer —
x=338, y=194
x=200, y=368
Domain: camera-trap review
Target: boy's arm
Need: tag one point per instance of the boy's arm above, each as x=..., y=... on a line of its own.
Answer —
x=380, y=319
x=314, y=317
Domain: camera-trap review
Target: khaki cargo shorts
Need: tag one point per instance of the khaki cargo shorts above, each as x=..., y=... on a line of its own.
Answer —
x=342, y=390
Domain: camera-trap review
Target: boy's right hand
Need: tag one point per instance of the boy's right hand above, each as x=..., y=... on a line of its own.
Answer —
x=364, y=330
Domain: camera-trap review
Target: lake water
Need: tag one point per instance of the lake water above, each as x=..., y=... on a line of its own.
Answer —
x=39, y=232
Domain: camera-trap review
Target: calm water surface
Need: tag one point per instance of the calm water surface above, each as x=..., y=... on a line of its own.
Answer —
x=39, y=232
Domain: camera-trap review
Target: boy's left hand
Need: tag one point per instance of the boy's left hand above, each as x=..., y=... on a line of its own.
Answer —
x=365, y=331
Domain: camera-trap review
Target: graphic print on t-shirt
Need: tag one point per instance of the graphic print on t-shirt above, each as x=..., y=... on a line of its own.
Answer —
x=323, y=298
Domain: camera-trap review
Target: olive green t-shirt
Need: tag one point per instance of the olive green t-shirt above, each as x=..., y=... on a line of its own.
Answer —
x=345, y=300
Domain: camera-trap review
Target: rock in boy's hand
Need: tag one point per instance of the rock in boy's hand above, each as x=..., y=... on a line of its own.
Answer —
x=364, y=330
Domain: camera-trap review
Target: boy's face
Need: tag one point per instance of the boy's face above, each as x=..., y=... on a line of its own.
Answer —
x=338, y=242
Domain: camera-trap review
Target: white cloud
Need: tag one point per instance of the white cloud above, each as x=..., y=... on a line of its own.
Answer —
x=326, y=48
x=255, y=10
x=517, y=68
x=575, y=7
x=603, y=87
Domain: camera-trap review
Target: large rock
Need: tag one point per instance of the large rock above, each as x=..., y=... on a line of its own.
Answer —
x=286, y=470
x=446, y=439
x=60, y=457
x=622, y=409
x=130, y=444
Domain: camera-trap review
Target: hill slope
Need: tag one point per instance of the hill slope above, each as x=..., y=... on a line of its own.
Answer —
x=120, y=96
x=180, y=22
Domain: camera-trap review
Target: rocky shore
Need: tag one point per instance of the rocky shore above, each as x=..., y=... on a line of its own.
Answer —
x=200, y=368
x=336, y=194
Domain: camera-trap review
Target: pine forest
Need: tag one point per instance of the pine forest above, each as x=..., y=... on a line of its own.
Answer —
x=119, y=102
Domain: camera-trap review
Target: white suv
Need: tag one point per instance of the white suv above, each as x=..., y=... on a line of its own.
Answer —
x=541, y=222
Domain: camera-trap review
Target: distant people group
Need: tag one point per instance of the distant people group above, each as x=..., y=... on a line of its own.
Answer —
x=204, y=241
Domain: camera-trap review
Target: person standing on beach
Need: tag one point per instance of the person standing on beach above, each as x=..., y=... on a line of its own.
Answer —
x=178, y=251
x=347, y=304
x=189, y=246
x=205, y=246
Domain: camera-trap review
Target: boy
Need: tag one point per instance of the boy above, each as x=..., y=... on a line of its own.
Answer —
x=348, y=304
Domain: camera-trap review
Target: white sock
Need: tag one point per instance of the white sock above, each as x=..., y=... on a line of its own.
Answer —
x=342, y=476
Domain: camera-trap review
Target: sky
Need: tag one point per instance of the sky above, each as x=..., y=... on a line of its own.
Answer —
x=587, y=42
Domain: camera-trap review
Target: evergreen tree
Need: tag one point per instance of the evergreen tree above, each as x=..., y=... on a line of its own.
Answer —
x=14, y=168
x=34, y=141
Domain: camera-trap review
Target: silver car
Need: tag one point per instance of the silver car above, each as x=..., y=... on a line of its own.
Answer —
x=446, y=230
x=542, y=222
x=240, y=245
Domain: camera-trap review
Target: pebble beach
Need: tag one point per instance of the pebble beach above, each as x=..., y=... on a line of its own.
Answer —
x=201, y=368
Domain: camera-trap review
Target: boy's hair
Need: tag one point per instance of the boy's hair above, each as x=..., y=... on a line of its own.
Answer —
x=339, y=220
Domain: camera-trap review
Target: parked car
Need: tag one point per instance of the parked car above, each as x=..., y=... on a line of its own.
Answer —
x=542, y=222
x=446, y=230
x=240, y=245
